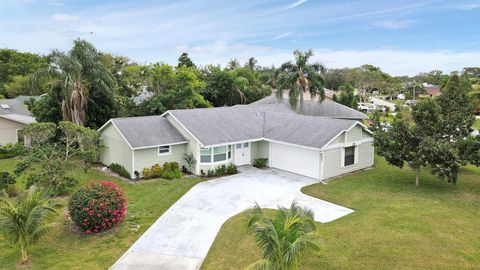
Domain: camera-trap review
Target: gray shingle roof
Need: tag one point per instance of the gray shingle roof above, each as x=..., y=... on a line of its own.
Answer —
x=327, y=108
x=148, y=131
x=226, y=124
x=311, y=131
x=14, y=107
x=24, y=119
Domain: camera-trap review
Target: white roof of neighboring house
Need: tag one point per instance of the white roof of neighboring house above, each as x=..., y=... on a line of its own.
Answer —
x=24, y=119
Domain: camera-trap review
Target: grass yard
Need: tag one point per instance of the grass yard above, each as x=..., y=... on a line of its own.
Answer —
x=395, y=224
x=65, y=248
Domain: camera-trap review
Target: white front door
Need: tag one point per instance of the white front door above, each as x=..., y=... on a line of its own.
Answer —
x=242, y=154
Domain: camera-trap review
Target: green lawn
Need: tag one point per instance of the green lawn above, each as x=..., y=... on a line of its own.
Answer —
x=65, y=248
x=395, y=224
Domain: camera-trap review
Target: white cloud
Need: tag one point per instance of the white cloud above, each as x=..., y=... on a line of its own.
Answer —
x=388, y=24
x=296, y=4
x=61, y=17
x=55, y=4
x=283, y=35
x=396, y=62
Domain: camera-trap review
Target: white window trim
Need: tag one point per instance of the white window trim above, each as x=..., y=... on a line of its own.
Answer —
x=212, y=162
x=164, y=154
x=355, y=155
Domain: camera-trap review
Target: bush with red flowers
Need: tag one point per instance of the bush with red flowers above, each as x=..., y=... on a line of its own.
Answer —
x=97, y=206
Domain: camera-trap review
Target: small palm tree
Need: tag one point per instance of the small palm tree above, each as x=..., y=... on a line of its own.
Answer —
x=301, y=77
x=25, y=220
x=72, y=71
x=282, y=240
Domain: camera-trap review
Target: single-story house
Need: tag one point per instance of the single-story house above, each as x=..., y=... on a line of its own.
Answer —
x=314, y=146
x=14, y=115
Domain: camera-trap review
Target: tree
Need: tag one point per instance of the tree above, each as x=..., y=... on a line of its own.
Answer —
x=185, y=61
x=53, y=150
x=151, y=106
x=301, y=77
x=251, y=63
x=26, y=220
x=72, y=71
x=282, y=240
x=470, y=150
x=14, y=63
x=233, y=64
x=457, y=110
x=347, y=96
x=420, y=144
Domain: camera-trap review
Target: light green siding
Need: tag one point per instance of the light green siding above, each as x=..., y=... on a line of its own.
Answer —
x=332, y=165
x=259, y=150
x=192, y=145
x=339, y=139
x=146, y=158
x=116, y=149
x=355, y=134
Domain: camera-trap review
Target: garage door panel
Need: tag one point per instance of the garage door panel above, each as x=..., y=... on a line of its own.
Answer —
x=295, y=159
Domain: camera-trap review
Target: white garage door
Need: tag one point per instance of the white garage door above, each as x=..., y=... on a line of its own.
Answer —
x=295, y=159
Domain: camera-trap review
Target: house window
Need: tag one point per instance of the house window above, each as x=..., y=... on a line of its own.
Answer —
x=163, y=150
x=245, y=145
x=349, y=155
x=229, y=152
x=205, y=155
x=219, y=153
x=239, y=145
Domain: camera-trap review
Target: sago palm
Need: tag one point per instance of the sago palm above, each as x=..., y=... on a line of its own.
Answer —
x=301, y=77
x=282, y=240
x=26, y=219
x=72, y=71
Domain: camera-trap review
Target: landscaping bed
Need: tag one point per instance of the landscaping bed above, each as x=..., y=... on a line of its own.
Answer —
x=66, y=247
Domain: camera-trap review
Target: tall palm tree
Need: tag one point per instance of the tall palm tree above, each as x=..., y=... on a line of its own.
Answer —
x=28, y=218
x=72, y=71
x=282, y=240
x=301, y=77
x=233, y=64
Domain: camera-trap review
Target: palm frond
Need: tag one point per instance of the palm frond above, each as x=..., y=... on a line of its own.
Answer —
x=261, y=265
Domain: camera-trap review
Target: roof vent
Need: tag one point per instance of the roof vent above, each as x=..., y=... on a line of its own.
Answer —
x=5, y=106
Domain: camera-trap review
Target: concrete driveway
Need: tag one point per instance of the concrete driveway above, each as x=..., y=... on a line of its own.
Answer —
x=182, y=236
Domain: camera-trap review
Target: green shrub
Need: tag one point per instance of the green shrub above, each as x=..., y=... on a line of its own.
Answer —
x=221, y=170
x=260, y=162
x=171, y=170
x=156, y=171
x=97, y=206
x=120, y=170
x=10, y=150
x=6, y=180
x=232, y=169
x=147, y=173
x=210, y=173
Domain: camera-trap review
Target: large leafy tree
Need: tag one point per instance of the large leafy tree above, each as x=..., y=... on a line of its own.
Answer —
x=346, y=96
x=25, y=220
x=301, y=77
x=185, y=61
x=72, y=71
x=15, y=67
x=284, y=239
x=457, y=110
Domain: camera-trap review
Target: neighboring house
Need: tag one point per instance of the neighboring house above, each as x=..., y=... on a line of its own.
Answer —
x=318, y=147
x=431, y=90
x=14, y=115
x=326, y=108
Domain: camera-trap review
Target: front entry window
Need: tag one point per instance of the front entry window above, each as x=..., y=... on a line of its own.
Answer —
x=215, y=154
x=349, y=155
x=219, y=153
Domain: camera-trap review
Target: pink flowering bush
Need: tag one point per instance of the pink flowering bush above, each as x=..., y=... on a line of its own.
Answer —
x=97, y=206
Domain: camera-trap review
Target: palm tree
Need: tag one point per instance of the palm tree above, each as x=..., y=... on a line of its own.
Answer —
x=301, y=77
x=25, y=220
x=282, y=240
x=251, y=63
x=72, y=71
x=233, y=64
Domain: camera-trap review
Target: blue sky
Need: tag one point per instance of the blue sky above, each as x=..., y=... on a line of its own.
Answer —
x=402, y=37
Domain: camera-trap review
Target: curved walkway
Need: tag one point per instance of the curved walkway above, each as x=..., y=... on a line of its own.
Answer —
x=182, y=236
